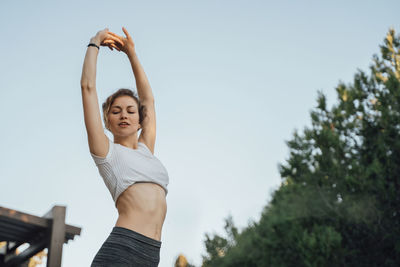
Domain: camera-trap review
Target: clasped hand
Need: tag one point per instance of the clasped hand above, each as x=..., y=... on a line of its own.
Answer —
x=113, y=40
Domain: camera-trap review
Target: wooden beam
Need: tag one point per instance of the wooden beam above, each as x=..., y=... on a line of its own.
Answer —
x=25, y=255
x=14, y=215
x=40, y=232
x=57, y=235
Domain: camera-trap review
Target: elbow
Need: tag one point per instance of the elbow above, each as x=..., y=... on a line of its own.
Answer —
x=87, y=83
x=87, y=86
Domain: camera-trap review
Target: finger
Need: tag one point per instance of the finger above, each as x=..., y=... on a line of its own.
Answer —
x=107, y=42
x=115, y=39
x=116, y=47
x=126, y=33
x=113, y=44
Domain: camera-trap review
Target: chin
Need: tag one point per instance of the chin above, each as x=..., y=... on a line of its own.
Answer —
x=124, y=133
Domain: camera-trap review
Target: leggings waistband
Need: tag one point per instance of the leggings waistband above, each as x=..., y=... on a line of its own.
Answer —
x=138, y=236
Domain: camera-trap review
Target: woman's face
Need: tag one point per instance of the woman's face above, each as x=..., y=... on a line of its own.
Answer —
x=123, y=118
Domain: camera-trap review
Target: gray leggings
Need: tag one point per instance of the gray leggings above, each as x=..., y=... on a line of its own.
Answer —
x=126, y=248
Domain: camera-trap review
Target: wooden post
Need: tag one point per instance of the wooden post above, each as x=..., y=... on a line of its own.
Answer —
x=49, y=231
x=57, y=235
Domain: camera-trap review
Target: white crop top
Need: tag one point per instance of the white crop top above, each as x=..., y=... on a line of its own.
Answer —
x=124, y=166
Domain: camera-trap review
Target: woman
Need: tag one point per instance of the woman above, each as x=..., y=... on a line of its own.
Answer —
x=137, y=180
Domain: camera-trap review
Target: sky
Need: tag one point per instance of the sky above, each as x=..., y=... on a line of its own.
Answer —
x=232, y=81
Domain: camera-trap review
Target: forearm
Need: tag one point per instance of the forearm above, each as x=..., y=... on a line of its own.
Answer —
x=88, y=79
x=142, y=83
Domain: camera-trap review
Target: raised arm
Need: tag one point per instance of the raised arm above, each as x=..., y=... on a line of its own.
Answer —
x=98, y=142
x=142, y=83
x=126, y=45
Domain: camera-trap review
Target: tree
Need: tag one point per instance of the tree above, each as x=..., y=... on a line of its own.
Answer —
x=339, y=202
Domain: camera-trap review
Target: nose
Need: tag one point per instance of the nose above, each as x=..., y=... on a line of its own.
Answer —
x=123, y=114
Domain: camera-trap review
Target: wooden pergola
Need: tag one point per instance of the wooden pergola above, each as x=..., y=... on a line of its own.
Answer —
x=48, y=231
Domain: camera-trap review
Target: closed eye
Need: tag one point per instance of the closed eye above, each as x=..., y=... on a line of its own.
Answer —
x=116, y=112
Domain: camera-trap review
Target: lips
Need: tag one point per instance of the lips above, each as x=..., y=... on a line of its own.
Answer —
x=123, y=124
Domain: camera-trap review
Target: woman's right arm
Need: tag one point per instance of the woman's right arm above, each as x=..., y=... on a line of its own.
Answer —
x=98, y=141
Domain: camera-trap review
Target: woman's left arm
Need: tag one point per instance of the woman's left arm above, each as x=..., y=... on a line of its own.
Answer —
x=148, y=134
x=142, y=83
x=128, y=47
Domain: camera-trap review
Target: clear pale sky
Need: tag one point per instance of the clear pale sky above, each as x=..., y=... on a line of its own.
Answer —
x=232, y=80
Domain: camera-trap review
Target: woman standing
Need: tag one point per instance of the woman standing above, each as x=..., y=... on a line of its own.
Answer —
x=136, y=179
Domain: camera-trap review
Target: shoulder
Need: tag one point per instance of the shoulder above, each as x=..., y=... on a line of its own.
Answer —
x=99, y=159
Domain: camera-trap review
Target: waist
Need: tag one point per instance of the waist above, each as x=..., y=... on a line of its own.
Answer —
x=142, y=207
x=126, y=236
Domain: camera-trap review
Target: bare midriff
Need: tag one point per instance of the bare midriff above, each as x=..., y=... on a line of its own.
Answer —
x=142, y=207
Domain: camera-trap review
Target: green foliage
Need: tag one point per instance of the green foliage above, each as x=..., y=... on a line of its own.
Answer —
x=217, y=246
x=339, y=202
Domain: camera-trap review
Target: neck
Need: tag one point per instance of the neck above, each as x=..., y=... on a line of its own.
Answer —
x=128, y=141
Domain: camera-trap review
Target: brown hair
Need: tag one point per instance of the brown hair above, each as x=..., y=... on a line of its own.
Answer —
x=121, y=92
